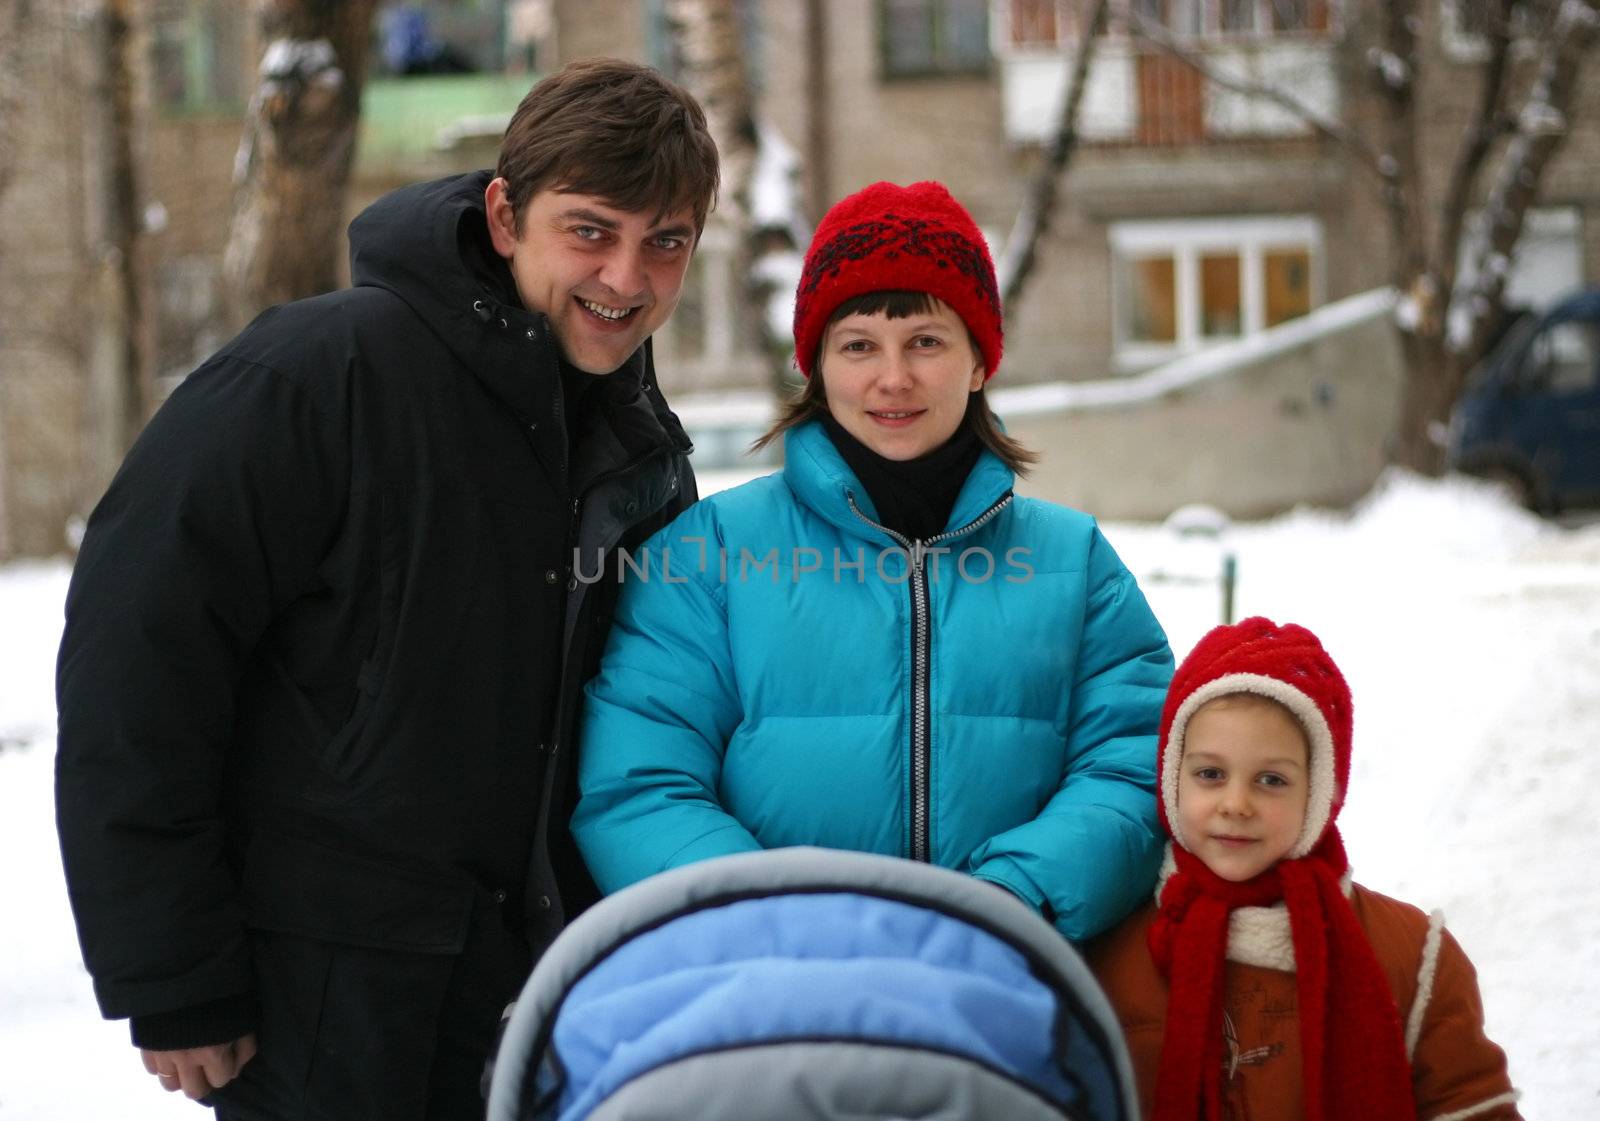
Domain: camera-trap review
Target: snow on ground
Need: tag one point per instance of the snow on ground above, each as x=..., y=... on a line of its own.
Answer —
x=1469, y=630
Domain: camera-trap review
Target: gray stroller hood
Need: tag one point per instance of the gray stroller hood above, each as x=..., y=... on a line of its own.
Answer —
x=811, y=985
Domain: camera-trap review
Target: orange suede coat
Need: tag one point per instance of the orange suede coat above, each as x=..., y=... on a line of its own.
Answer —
x=1456, y=1071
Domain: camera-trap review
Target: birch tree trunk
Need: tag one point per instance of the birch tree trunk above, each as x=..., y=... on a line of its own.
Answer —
x=712, y=63
x=294, y=161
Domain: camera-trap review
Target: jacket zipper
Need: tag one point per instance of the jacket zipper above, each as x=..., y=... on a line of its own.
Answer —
x=921, y=660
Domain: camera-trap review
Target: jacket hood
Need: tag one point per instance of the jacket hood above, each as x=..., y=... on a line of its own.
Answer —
x=428, y=243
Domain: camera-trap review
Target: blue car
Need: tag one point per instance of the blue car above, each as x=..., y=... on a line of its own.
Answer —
x=1531, y=413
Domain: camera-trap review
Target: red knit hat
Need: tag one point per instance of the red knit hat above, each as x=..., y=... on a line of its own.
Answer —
x=1352, y=1047
x=1285, y=664
x=892, y=238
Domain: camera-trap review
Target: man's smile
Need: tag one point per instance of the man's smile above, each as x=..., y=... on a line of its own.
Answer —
x=605, y=311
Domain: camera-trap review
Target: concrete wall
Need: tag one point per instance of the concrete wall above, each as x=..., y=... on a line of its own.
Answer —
x=1299, y=415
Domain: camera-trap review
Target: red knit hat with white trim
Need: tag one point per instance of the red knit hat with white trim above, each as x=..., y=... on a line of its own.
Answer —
x=1285, y=664
x=892, y=238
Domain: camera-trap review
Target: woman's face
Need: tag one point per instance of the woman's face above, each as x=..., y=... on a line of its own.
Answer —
x=900, y=386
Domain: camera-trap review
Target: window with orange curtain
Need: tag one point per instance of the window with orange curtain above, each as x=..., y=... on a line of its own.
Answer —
x=1033, y=23
x=1152, y=308
x=1286, y=274
x=1221, y=300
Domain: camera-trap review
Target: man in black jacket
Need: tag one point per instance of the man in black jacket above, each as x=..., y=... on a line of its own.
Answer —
x=326, y=636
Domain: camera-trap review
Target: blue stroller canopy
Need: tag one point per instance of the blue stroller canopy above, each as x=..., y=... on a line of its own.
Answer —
x=811, y=985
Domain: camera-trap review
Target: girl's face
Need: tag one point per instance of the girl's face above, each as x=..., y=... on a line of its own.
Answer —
x=900, y=386
x=1243, y=786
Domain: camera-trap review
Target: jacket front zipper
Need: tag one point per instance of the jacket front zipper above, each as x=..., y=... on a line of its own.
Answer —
x=921, y=661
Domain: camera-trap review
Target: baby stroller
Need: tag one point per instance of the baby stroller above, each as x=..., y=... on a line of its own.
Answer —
x=811, y=985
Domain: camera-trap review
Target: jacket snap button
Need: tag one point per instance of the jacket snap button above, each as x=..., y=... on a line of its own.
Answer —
x=544, y=902
x=532, y=334
x=572, y=584
x=499, y=895
x=551, y=576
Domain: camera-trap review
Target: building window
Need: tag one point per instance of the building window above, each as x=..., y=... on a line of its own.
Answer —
x=1152, y=299
x=1055, y=23
x=927, y=37
x=1221, y=297
x=1287, y=273
x=1232, y=18
x=1183, y=284
x=1171, y=100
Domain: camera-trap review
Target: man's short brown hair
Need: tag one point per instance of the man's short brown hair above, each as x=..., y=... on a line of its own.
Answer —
x=616, y=130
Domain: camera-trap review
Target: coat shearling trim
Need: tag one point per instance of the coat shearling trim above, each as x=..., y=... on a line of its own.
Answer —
x=1256, y=935
x=1508, y=1098
x=1319, y=739
x=1425, y=975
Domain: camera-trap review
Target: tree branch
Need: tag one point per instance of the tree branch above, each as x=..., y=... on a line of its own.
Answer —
x=1033, y=219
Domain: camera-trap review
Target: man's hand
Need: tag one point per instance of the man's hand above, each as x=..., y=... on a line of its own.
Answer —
x=199, y=1070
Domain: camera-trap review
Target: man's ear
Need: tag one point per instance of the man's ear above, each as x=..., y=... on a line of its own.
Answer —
x=502, y=219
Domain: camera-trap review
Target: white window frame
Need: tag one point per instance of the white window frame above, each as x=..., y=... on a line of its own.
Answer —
x=1211, y=30
x=1186, y=240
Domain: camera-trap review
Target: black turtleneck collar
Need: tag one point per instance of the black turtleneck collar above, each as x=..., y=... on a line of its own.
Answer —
x=913, y=497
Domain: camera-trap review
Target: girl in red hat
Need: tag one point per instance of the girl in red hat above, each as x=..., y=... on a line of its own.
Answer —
x=1261, y=982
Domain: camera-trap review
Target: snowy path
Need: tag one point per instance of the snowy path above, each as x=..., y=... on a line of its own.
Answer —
x=1471, y=636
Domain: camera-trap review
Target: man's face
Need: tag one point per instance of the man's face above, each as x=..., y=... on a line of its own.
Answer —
x=606, y=278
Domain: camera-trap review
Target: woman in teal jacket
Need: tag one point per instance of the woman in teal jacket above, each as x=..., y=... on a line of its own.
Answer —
x=880, y=647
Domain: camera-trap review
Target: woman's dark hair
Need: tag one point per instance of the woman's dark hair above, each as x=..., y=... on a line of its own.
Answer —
x=812, y=401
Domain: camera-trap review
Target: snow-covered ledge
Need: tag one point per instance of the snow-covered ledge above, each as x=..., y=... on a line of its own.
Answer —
x=1213, y=362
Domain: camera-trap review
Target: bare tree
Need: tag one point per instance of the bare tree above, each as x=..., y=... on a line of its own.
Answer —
x=1038, y=207
x=1445, y=327
x=294, y=160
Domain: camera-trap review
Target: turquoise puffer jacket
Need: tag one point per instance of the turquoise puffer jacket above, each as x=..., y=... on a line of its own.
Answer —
x=782, y=671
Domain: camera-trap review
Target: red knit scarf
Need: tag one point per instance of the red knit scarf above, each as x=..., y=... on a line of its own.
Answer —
x=1351, y=1040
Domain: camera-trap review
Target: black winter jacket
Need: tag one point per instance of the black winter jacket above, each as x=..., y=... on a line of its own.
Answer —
x=312, y=675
